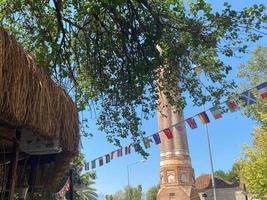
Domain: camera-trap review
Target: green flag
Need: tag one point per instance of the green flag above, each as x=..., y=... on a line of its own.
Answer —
x=93, y=164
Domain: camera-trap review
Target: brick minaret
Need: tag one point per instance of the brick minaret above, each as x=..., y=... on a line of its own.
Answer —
x=176, y=172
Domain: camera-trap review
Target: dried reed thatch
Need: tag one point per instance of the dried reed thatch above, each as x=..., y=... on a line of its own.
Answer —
x=30, y=99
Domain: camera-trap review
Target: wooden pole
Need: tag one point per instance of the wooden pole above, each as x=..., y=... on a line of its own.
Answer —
x=71, y=184
x=12, y=174
x=32, y=176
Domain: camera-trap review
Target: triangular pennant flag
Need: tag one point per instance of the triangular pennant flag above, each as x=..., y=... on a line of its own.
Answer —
x=128, y=149
x=262, y=88
x=100, y=161
x=107, y=158
x=93, y=165
x=247, y=97
x=204, y=117
x=179, y=127
x=156, y=138
x=119, y=152
x=87, y=166
x=192, y=123
x=112, y=155
x=147, y=142
x=216, y=113
x=232, y=105
x=168, y=133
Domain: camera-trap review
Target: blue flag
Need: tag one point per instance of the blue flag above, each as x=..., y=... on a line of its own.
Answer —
x=247, y=97
x=156, y=138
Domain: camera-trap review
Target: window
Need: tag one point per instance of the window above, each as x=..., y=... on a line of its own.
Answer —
x=170, y=176
x=172, y=196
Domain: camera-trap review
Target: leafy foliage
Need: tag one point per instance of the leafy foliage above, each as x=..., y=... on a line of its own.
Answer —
x=105, y=52
x=253, y=165
x=133, y=193
x=255, y=72
x=152, y=193
x=231, y=175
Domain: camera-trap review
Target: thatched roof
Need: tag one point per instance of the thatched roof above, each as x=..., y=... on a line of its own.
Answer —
x=29, y=99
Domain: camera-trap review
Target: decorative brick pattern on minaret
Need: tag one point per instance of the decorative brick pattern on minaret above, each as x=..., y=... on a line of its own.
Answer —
x=176, y=172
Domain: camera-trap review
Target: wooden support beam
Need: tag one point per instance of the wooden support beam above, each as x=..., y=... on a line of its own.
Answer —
x=12, y=174
x=32, y=176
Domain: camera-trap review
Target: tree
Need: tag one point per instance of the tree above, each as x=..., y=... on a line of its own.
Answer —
x=152, y=193
x=231, y=175
x=109, y=197
x=105, y=52
x=255, y=72
x=253, y=164
x=132, y=193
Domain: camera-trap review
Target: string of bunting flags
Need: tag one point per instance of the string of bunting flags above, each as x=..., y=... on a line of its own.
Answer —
x=247, y=97
x=64, y=189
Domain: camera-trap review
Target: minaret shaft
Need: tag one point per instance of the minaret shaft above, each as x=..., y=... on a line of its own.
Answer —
x=176, y=172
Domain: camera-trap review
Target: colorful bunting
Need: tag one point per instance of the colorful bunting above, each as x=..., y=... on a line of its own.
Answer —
x=247, y=97
x=262, y=88
x=232, y=105
x=87, y=166
x=204, y=117
x=147, y=141
x=216, y=113
x=93, y=164
x=112, y=155
x=168, y=133
x=64, y=190
x=107, y=158
x=119, y=152
x=179, y=127
x=156, y=138
x=128, y=149
x=192, y=123
x=100, y=161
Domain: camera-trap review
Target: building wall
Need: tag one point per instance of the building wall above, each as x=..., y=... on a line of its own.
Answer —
x=224, y=194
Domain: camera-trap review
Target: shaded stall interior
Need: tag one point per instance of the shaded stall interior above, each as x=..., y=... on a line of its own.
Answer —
x=39, y=125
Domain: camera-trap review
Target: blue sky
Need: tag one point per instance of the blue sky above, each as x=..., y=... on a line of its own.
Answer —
x=227, y=136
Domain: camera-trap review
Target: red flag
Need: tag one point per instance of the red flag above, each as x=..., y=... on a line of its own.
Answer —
x=232, y=105
x=216, y=113
x=262, y=88
x=119, y=152
x=128, y=149
x=168, y=133
x=192, y=123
